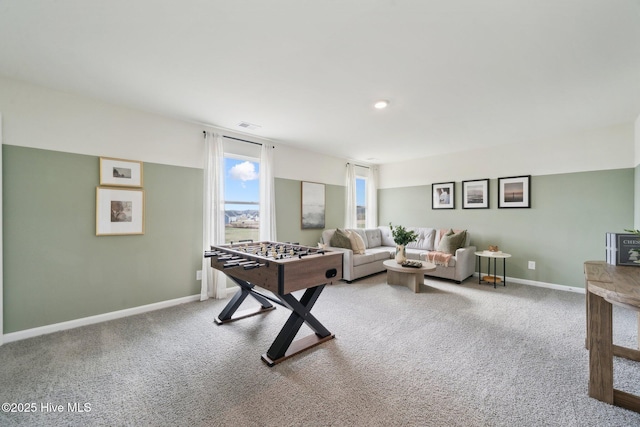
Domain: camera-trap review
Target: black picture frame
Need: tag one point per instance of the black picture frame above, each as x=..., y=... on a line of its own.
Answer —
x=514, y=192
x=475, y=194
x=443, y=195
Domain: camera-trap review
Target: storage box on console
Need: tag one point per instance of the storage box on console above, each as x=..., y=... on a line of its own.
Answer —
x=623, y=249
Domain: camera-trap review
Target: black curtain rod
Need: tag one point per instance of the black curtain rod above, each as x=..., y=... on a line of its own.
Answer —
x=360, y=166
x=242, y=140
x=236, y=139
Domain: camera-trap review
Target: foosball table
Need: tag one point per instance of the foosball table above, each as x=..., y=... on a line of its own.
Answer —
x=281, y=268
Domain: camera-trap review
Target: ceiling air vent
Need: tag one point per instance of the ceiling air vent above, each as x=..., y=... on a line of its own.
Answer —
x=248, y=126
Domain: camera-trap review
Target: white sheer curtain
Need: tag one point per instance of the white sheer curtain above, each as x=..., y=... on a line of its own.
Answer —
x=267, y=195
x=372, y=198
x=213, y=281
x=351, y=214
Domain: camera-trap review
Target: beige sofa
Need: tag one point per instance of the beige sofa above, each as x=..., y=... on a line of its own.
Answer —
x=379, y=246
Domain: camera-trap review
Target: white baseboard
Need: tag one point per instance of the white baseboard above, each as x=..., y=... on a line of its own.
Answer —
x=543, y=284
x=48, y=329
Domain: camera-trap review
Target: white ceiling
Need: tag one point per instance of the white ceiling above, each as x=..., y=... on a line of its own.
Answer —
x=460, y=74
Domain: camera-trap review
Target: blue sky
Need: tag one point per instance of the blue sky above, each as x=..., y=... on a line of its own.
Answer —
x=360, y=191
x=242, y=184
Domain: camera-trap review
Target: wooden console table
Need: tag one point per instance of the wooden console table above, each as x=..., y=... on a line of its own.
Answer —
x=609, y=284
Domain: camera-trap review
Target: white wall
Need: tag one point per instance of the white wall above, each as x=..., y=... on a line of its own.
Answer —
x=39, y=117
x=292, y=163
x=43, y=118
x=600, y=149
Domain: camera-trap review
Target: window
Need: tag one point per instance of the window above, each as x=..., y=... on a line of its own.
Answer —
x=361, y=202
x=241, y=198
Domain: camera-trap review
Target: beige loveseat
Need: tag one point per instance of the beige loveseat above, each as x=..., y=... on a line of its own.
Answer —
x=379, y=246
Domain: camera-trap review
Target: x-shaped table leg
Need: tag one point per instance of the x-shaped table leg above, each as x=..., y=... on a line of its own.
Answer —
x=228, y=314
x=284, y=345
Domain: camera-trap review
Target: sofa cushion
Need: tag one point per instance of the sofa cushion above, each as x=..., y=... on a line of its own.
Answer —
x=357, y=244
x=374, y=237
x=386, y=236
x=381, y=253
x=424, y=240
x=367, y=258
x=414, y=253
x=451, y=242
x=340, y=239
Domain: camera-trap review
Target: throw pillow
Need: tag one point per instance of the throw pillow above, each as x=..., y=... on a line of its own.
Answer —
x=451, y=242
x=424, y=240
x=340, y=239
x=440, y=234
x=357, y=243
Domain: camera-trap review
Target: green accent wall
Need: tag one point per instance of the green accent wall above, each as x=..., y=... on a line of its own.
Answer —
x=565, y=226
x=289, y=213
x=56, y=269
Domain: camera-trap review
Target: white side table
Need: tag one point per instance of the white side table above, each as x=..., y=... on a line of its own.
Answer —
x=489, y=277
x=412, y=277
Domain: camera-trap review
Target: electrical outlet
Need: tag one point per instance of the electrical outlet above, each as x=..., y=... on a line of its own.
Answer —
x=532, y=265
x=199, y=275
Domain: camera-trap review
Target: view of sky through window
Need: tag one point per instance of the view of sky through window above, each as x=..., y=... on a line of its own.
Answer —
x=241, y=183
x=360, y=191
x=242, y=200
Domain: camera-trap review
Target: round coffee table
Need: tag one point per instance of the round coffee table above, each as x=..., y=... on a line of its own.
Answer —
x=412, y=277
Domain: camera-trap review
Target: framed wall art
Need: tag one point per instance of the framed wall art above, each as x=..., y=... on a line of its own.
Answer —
x=119, y=211
x=475, y=194
x=120, y=173
x=443, y=195
x=514, y=192
x=313, y=205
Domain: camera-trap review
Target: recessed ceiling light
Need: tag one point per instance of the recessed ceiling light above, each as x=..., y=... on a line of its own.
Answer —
x=383, y=103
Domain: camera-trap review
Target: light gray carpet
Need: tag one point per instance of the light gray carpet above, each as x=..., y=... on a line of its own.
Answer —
x=454, y=355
